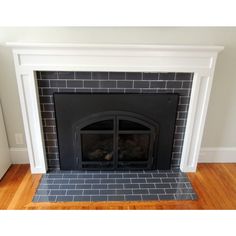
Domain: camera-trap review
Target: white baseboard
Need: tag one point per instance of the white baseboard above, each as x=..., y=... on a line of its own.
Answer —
x=19, y=155
x=217, y=155
x=207, y=155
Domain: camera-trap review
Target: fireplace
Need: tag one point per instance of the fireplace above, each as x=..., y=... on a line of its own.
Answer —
x=115, y=131
x=29, y=58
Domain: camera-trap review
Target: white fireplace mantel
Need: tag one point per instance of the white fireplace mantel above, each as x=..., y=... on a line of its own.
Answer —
x=29, y=58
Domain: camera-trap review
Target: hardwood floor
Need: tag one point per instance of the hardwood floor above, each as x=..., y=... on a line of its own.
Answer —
x=215, y=185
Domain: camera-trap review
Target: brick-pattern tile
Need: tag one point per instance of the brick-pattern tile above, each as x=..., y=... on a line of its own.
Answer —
x=83, y=75
x=110, y=82
x=99, y=75
x=57, y=186
x=134, y=76
x=151, y=76
x=117, y=75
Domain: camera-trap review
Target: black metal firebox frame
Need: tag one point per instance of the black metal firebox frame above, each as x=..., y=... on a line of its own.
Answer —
x=155, y=111
x=116, y=116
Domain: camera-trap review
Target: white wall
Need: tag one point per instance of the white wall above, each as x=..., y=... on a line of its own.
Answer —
x=5, y=160
x=220, y=130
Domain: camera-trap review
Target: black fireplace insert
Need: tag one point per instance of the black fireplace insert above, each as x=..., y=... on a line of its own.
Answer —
x=115, y=131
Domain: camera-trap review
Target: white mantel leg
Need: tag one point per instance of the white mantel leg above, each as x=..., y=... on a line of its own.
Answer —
x=28, y=93
x=195, y=123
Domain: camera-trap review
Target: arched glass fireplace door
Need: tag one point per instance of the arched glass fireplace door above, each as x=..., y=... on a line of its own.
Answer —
x=115, y=140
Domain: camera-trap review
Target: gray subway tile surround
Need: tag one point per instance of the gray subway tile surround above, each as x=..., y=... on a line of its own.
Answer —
x=110, y=82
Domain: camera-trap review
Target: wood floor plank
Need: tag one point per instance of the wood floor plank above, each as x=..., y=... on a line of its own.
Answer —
x=10, y=183
x=215, y=185
x=25, y=191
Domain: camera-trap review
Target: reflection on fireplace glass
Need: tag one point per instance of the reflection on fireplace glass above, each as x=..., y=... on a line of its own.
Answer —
x=100, y=125
x=133, y=147
x=97, y=147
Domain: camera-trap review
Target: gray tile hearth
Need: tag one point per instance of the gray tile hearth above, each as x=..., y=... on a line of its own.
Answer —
x=67, y=186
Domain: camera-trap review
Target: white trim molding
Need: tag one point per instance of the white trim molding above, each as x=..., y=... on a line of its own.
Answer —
x=207, y=155
x=199, y=60
x=217, y=155
x=19, y=155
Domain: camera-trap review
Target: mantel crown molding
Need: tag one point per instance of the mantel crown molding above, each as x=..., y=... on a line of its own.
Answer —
x=23, y=45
